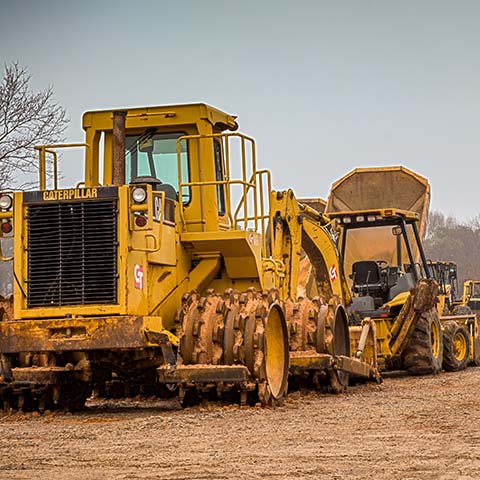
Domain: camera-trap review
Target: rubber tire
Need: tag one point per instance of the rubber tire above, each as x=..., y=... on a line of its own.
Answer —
x=418, y=357
x=341, y=346
x=450, y=362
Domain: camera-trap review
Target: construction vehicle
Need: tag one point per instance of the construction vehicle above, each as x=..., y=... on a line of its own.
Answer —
x=459, y=323
x=445, y=273
x=380, y=254
x=471, y=295
x=172, y=263
x=393, y=320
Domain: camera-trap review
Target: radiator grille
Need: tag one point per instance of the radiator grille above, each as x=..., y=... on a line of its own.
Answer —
x=72, y=253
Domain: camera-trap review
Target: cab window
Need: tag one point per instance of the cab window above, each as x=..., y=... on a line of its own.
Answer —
x=219, y=176
x=155, y=155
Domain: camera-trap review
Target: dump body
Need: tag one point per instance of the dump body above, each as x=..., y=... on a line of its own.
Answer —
x=382, y=187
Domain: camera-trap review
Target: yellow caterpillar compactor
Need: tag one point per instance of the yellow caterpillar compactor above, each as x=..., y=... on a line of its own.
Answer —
x=399, y=320
x=173, y=263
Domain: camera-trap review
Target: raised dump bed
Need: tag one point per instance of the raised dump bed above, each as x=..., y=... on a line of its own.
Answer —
x=381, y=187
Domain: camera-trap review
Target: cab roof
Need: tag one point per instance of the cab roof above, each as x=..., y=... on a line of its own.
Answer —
x=157, y=115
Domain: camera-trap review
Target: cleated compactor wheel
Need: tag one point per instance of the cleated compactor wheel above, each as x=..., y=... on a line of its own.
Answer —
x=319, y=331
x=233, y=346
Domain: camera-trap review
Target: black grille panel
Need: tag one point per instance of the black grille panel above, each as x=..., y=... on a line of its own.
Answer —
x=72, y=253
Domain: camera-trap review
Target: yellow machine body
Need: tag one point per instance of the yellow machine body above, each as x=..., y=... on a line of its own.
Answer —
x=459, y=311
x=380, y=334
x=471, y=295
x=161, y=251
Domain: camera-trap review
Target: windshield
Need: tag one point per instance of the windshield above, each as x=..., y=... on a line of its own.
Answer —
x=377, y=243
x=155, y=155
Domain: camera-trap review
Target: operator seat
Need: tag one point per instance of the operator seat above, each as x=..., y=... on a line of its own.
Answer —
x=367, y=279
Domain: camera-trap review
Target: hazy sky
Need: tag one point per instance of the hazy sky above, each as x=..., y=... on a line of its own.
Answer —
x=323, y=86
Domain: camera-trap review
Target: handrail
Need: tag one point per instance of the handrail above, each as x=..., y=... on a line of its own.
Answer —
x=251, y=187
x=42, y=154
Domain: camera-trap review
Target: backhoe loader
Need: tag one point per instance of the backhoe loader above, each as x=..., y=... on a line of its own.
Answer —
x=393, y=316
x=385, y=262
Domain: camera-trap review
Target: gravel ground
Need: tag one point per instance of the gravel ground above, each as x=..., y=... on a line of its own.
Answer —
x=406, y=428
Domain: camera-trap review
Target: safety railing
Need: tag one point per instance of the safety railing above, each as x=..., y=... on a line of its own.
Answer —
x=246, y=209
x=42, y=167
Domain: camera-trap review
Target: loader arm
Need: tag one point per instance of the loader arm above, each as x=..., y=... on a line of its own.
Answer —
x=304, y=239
x=300, y=230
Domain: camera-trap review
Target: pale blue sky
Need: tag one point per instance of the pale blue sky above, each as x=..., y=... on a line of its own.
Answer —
x=323, y=86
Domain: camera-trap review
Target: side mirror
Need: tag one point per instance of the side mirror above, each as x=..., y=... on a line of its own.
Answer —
x=146, y=145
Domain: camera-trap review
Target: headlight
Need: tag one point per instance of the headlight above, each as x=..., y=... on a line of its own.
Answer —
x=139, y=194
x=5, y=202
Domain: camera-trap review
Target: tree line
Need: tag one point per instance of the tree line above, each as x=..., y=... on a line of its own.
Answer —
x=449, y=239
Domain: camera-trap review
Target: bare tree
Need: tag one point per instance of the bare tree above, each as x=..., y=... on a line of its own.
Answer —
x=27, y=119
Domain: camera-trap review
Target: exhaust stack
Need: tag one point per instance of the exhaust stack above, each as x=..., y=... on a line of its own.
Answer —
x=118, y=148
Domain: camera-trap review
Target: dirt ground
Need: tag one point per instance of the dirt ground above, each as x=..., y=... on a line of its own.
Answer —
x=406, y=428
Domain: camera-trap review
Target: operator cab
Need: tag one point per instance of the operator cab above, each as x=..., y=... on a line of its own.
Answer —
x=383, y=252
x=181, y=150
x=445, y=273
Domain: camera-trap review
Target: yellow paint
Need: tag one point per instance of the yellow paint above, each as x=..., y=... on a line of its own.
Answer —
x=459, y=346
x=400, y=299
